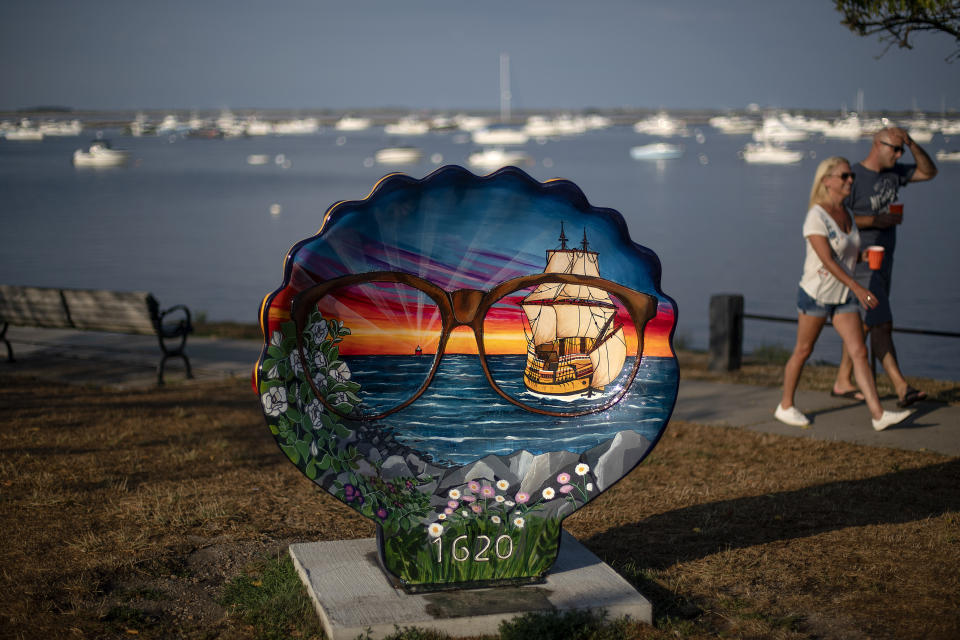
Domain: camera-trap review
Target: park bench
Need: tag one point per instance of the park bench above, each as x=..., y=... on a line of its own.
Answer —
x=129, y=312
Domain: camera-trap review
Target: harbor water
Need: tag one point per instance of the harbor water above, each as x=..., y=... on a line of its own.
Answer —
x=195, y=223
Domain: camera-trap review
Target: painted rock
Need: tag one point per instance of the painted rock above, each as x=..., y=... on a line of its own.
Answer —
x=467, y=361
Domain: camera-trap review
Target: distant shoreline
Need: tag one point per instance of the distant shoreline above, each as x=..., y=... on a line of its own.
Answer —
x=106, y=118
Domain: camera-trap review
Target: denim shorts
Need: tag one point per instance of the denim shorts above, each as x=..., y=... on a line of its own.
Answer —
x=810, y=307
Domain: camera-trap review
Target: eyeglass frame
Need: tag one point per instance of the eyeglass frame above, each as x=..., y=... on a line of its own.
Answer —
x=896, y=148
x=843, y=176
x=469, y=307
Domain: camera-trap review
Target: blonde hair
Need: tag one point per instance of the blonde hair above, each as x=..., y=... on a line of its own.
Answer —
x=818, y=192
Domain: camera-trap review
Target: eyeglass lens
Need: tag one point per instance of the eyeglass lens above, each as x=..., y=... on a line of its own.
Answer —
x=554, y=347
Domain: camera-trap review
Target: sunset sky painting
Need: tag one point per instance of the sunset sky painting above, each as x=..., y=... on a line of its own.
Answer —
x=460, y=231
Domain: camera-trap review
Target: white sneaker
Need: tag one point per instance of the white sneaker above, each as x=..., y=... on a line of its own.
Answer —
x=791, y=416
x=890, y=418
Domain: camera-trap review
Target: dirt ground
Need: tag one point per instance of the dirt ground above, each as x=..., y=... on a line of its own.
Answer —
x=126, y=513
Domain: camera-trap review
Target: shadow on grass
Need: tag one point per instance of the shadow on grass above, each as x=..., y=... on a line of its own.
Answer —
x=698, y=531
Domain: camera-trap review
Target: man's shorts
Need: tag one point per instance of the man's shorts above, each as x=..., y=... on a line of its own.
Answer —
x=809, y=306
x=877, y=283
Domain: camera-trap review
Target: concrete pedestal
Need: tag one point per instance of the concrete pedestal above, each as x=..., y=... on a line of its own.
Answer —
x=352, y=594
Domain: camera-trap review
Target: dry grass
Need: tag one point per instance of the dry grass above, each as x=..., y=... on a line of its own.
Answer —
x=126, y=514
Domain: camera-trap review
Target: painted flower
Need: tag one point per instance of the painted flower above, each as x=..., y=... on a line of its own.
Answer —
x=500, y=499
x=567, y=488
x=382, y=513
x=503, y=485
x=549, y=493
x=350, y=492
x=453, y=504
x=563, y=478
x=448, y=511
x=487, y=491
x=581, y=469
x=495, y=519
x=276, y=339
x=318, y=331
x=476, y=508
x=275, y=401
x=314, y=411
x=589, y=486
x=454, y=493
x=474, y=486
x=510, y=503
x=464, y=512
x=296, y=364
x=521, y=497
x=518, y=522
x=469, y=499
x=435, y=529
x=441, y=516
x=339, y=398
x=340, y=372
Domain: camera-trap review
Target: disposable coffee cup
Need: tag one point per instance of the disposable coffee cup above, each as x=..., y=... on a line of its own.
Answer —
x=875, y=256
x=896, y=209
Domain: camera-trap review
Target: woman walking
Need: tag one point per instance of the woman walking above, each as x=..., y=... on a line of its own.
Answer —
x=828, y=289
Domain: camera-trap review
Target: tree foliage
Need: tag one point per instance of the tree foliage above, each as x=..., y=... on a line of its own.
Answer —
x=899, y=20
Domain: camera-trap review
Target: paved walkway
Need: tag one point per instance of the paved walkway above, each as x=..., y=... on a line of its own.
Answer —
x=123, y=361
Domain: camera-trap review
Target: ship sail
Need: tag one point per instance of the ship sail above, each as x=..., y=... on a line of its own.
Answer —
x=572, y=326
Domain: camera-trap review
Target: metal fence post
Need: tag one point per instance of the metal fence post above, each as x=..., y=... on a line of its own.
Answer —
x=726, y=332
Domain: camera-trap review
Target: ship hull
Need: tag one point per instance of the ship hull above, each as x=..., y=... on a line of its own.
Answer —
x=573, y=375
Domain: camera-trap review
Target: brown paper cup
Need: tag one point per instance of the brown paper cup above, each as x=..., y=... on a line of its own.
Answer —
x=875, y=256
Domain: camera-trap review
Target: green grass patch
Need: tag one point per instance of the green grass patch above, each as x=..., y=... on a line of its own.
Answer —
x=272, y=599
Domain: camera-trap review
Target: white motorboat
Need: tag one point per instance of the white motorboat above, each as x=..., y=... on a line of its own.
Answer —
x=656, y=151
x=25, y=135
x=768, y=153
x=258, y=159
x=497, y=157
x=470, y=123
x=499, y=136
x=663, y=125
x=296, y=127
x=948, y=156
x=351, y=123
x=24, y=132
x=407, y=127
x=398, y=155
x=775, y=130
x=733, y=125
x=99, y=155
x=847, y=128
x=60, y=128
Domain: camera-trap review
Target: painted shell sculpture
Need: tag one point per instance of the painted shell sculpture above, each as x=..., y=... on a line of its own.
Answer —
x=466, y=361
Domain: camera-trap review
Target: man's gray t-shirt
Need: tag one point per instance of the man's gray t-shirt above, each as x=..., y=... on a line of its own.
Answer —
x=871, y=194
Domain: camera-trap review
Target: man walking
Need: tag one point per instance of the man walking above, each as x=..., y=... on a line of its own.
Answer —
x=878, y=180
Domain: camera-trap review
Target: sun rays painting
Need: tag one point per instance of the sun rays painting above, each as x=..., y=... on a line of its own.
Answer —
x=468, y=360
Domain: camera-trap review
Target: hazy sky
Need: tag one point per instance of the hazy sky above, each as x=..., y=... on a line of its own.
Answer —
x=444, y=54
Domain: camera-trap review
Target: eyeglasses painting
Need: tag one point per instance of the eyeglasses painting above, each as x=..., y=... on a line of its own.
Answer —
x=556, y=344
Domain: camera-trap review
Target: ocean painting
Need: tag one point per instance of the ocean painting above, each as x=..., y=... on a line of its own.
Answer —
x=468, y=360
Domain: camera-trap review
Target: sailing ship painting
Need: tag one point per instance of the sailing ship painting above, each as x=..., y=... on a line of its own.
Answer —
x=440, y=362
x=575, y=345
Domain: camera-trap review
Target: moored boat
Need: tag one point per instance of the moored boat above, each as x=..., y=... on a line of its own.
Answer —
x=398, y=155
x=99, y=154
x=767, y=153
x=656, y=151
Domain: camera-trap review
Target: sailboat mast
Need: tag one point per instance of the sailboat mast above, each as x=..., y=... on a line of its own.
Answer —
x=505, y=87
